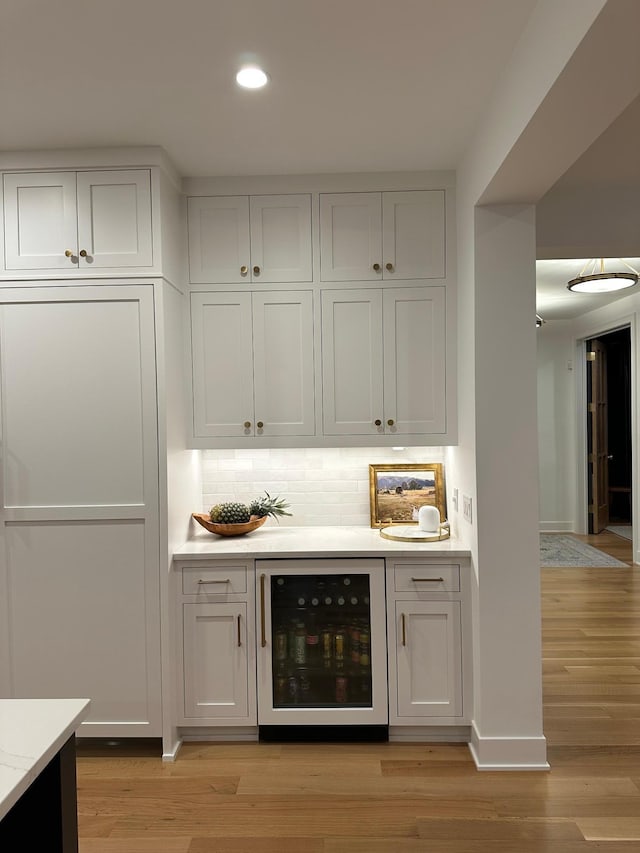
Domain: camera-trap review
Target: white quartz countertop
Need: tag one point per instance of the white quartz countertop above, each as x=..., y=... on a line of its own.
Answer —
x=273, y=541
x=32, y=731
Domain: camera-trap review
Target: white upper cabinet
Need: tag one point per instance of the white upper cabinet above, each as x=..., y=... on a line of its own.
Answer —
x=383, y=361
x=382, y=236
x=415, y=362
x=253, y=364
x=77, y=221
x=264, y=238
x=352, y=362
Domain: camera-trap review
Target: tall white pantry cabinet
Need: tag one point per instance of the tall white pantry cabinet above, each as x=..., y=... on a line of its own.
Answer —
x=92, y=499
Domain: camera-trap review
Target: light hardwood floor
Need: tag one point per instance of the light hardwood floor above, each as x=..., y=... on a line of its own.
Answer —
x=402, y=798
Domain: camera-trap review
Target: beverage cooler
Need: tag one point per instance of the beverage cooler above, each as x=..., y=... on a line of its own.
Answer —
x=322, y=652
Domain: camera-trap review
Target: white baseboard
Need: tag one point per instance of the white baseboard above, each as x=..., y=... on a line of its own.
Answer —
x=170, y=752
x=508, y=753
x=556, y=527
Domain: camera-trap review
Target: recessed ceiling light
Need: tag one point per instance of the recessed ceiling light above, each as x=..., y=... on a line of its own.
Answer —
x=251, y=77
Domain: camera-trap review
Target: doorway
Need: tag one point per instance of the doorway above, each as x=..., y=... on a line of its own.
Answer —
x=609, y=460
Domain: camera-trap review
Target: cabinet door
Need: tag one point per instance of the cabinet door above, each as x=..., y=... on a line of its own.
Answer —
x=217, y=639
x=413, y=234
x=114, y=219
x=350, y=237
x=352, y=362
x=414, y=360
x=281, y=238
x=40, y=221
x=79, y=501
x=428, y=660
x=283, y=363
x=219, y=247
x=222, y=364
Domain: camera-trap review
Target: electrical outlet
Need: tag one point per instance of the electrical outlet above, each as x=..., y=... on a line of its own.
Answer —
x=454, y=499
x=466, y=509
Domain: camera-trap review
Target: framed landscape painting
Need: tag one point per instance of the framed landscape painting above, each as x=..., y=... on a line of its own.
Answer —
x=396, y=492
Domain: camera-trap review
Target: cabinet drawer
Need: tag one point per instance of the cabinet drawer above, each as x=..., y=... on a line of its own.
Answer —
x=220, y=579
x=426, y=577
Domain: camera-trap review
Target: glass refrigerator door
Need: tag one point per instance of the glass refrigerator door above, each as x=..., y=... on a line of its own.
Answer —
x=322, y=655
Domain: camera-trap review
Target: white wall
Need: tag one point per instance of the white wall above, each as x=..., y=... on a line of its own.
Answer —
x=516, y=156
x=562, y=399
x=557, y=426
x=327, y=486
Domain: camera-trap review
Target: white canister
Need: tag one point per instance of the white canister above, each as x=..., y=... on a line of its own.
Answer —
x=429, y=519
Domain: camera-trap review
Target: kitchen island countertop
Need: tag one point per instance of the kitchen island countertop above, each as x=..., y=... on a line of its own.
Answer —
x=32, y=731
x=272, y=541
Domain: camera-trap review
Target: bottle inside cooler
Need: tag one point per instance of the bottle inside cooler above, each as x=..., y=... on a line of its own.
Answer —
x=321, y=641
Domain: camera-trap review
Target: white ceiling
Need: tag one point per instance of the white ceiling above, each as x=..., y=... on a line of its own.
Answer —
x=356, y=85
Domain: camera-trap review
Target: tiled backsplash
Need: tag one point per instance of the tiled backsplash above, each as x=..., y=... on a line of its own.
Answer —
x=323, y=486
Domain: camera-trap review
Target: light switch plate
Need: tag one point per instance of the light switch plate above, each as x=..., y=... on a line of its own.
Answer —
x=466, y=509
x=454, y=499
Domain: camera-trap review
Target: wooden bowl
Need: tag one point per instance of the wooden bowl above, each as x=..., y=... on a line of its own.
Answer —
x=229, y=529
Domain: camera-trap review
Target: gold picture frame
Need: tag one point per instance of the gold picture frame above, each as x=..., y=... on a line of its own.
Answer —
x=395, y=491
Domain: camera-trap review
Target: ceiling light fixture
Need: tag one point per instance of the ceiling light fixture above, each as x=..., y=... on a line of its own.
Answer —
x=590, y=281
x=251, y=77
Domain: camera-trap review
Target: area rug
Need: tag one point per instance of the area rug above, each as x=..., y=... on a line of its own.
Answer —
x=558, y=551
x=624, y=530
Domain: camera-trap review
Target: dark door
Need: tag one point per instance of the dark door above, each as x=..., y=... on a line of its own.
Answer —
x=597, y=436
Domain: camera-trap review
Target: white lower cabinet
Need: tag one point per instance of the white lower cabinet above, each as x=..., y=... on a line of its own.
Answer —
x=216, y=677
x=217, y=664
x=428, y=661
x=428, y=636
x=233, y=655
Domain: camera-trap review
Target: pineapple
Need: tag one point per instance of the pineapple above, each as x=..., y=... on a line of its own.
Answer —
x=274, y=507
x=230, y=512
x=214, y=512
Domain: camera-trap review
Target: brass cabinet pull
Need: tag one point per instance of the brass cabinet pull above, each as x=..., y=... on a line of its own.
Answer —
x=260, y=424
x=428, y=580
x=389, y=267
x=83, y=253
x=217, y=580
x=247, y=424
x=244, y=270
x=390, y=422
x=377, y=267
x=404, y=629
x=256, y=270
x=68, y=253
x=239, y=637
x=263, y=637
x=378, y=422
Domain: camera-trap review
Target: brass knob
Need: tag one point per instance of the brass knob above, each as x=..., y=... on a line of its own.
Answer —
x=256, y=270
x=378, y=422
x=247, y=424
x=390, y=422
x=259, y=424
x=244, y=270
x=377, y=267
x=68, y=253
x=389, y=267
x=83, y=253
